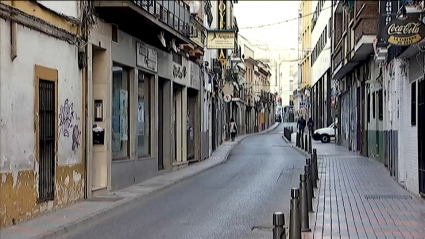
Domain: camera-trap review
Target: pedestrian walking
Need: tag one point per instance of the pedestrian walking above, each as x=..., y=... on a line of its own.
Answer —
x=301, y=125
x=310, y=125
x=233, y=129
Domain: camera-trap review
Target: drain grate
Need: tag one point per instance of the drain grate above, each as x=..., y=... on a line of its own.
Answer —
x=393, y=197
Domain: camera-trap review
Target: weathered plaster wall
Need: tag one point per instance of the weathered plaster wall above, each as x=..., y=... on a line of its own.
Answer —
x=18, y=163
x=69, y=8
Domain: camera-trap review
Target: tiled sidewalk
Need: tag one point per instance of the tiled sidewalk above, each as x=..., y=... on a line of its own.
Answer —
x=357, y=198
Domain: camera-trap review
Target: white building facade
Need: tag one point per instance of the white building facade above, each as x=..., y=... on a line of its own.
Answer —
x=319, y=94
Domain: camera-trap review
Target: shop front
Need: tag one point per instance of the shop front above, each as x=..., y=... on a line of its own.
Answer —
x=194, y=114
x=134, y=100
x=180, y=77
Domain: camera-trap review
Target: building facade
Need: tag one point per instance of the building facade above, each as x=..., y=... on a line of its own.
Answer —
x=319, y=99
x=42, y=107
x=379, y=87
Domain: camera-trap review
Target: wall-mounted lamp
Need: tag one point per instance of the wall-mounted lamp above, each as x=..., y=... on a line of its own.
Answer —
x=98, y=110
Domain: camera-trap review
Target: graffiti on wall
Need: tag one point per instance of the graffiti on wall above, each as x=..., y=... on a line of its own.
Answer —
x=68, y=123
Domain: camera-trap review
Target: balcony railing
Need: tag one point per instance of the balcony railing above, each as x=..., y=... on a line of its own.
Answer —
x=175, y=14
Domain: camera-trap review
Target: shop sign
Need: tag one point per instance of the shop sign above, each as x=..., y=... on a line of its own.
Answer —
x=303, y=104
x=179, y=72
x=146, y=57
x=227, y=98
x=221, y=39
x=404, y=32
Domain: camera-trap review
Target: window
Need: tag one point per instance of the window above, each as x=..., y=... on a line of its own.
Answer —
x=120, y=113
x=114, y=33
x=46, y=130
x=381, y=107
x=143, y=115
x=373, y=105
x=413, y=104
x=177, y=58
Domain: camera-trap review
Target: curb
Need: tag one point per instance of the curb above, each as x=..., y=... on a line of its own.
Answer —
x=62, y=230
x=295, y=147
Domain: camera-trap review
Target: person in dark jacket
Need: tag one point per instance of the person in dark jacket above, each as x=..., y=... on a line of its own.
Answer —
x=310, y=125
x=301, y=125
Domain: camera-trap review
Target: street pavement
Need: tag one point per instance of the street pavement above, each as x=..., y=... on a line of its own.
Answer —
x=232, y=200
x=357, y=198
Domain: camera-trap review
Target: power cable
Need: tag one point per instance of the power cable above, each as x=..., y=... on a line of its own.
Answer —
x=288, y=20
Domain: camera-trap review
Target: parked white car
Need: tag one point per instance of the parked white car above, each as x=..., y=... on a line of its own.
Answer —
x=325, y=134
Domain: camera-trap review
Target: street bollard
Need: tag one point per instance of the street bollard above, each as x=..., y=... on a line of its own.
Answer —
x=313, y=172
x=310, y=178
x=301, y=141
x=305, y=143
x=308, y=187
x=316, y=163
x=278, y=223
x=295, y=213
x=298, y=140
x=309, y=144
x=304, y=204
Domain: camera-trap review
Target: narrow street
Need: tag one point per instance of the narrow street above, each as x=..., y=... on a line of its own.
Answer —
x=233, y=200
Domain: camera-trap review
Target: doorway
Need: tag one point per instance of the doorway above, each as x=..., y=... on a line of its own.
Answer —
x=421, y=136
x=358, y=118
x=97, y=164
x=161, y=100
x=213, y=124
x=192, y=115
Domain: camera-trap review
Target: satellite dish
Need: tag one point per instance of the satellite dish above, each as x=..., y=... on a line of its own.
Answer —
x=195, y=6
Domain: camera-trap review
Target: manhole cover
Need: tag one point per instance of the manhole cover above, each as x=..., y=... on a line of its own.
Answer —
x=104, y=199
x=379, y=197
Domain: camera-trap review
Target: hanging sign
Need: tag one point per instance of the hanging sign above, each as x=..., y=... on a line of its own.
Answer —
x=404, y=32
x=221, y=39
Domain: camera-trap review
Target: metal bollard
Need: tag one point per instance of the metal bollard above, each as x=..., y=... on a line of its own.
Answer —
x=308, y=187
x=305, y=143
x=310, y=177
x=304, y=204
x=316, y=163
x=313, y=172
x=298, y=140
x=278, y=223
x=309, y=144
x=301, y=141
x=295, y=215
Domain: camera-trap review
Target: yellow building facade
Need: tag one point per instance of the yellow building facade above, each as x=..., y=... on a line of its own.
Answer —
x=305, y=37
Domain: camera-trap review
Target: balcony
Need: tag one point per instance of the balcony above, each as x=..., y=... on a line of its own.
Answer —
x=358, y=39
x=140, y=17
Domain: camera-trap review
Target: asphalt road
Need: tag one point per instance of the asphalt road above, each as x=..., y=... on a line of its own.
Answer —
x=232, y=200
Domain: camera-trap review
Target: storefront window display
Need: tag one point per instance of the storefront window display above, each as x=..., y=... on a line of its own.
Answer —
x=143, y=115
x=120, y=113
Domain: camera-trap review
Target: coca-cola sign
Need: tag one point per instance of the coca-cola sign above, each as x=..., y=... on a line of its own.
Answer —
x=404, y=32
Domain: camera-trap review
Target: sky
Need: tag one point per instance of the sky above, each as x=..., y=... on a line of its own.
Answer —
x=281, y=37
